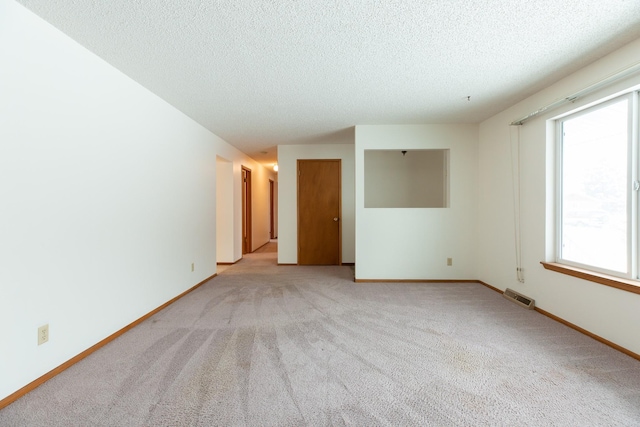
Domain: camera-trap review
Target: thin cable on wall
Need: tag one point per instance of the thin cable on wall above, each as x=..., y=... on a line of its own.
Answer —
x=515, y=185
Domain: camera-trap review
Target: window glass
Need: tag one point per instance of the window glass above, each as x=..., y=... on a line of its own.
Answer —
x=594, y=187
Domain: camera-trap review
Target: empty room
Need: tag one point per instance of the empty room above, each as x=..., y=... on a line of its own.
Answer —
x=288, y=213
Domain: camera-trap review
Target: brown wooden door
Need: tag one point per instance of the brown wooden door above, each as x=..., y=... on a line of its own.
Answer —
x=272, y=211
x=246, y=210
x=319, y=210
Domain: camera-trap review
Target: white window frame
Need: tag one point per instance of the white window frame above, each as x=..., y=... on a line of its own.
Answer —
x=633, y=163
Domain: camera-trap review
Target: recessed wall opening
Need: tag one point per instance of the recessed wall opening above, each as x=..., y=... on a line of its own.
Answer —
x=406, y=178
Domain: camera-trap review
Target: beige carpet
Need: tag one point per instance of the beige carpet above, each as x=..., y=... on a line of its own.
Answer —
x=267, y=345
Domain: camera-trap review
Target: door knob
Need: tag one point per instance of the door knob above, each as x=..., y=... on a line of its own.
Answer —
x=335, y=218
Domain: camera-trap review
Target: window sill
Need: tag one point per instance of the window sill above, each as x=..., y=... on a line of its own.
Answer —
x=632, y=286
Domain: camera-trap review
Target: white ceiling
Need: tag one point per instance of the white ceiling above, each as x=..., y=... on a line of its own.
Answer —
x=260, y=73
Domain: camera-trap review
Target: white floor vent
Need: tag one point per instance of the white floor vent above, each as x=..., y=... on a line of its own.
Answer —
x=519, y=299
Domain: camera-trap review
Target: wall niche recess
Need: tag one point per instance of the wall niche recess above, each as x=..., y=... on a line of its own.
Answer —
x=406, y=178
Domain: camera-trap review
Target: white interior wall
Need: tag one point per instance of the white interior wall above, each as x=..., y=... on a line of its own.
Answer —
x=414, y=243
x=108, y=195
x=608, y=312
x=288, y=156
x=224, y=211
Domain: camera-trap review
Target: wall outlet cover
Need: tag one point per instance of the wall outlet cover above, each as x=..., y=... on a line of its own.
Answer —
x=43, y=334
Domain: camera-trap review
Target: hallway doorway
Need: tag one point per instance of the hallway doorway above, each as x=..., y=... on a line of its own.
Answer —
x=272, y=210
x=246, y=210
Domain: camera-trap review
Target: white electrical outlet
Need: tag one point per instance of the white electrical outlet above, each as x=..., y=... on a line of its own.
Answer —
x=43, y=334
x=449, y=261
x=193, y=266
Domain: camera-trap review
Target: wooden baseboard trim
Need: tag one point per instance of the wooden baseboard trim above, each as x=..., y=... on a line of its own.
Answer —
x=46, y=377
x=575, y=327
x=229, y=263
x=260, y=247
x=316, y=265
x=489, y=286
x=413, y=281
x=41, y=380
x=589, y=334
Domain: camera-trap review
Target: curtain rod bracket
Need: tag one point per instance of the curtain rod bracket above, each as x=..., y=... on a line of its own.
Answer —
x=625, y=72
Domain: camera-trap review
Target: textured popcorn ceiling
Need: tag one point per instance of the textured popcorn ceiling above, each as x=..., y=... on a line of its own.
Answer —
x=263, y=73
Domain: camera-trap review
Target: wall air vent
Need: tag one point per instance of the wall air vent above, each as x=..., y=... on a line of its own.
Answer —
x=519, y=299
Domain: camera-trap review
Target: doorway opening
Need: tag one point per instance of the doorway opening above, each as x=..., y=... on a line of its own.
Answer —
x=272, y=210
x=246, y=210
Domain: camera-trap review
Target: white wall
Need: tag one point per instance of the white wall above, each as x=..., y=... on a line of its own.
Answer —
x=107, y=195
x=224, y=211
x=288, y=156
x=608, y=312
x=415, y=243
